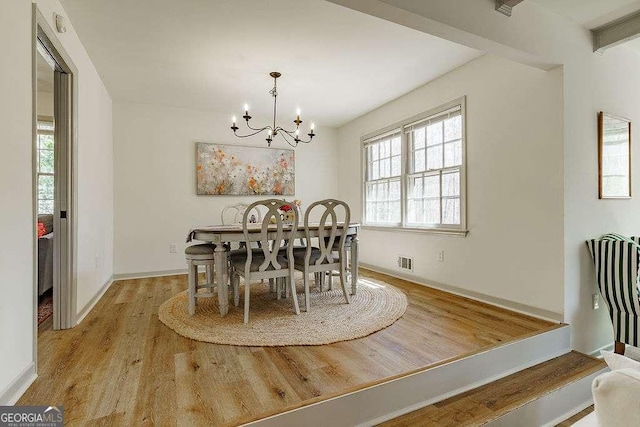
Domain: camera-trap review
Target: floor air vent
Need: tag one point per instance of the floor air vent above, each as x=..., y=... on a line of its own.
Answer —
x=405, y=263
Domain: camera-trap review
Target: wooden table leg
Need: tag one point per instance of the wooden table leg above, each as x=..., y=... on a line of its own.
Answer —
x=220, y=260
x=354, y=265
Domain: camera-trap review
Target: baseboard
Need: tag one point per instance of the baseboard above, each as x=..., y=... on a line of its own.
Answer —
x=597, y=351
x=145, y=274
x=631, y=352
x=499, y=302
x=11, y=393
x=87, y=308
x=476, y=296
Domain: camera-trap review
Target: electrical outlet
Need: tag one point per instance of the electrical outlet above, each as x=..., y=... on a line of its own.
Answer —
x=595, y=301
x=440, y=257
x=173, y=248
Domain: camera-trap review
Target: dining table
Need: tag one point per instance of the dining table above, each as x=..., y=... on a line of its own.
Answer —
x=222, y=235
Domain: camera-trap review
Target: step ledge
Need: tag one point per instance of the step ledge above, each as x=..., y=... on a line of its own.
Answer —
x=552, y=408
x=399, y=396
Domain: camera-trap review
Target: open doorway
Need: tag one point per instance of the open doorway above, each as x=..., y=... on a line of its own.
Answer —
x=53, y=177
x=45, y=182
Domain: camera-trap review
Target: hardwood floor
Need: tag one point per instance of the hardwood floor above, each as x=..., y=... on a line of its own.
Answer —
x=483, y=404
x=122, y=366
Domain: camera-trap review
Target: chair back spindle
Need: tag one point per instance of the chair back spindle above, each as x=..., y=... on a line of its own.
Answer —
x=272, y=231
x=328, y=232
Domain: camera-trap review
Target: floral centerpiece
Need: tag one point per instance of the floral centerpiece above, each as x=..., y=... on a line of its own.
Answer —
x=287, y=210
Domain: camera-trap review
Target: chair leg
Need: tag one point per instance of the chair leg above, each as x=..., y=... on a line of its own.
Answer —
x=247, y=294
x=330, y=276
x=343, y=281
x=286, y=288
x=272, y=286
x=619, y=347
x=306, y=291
x=236, y=288
x=347, y=252
x=209, y=274
x=318, y=281
x=192, y=278
x=278, y=287
x=292, y=282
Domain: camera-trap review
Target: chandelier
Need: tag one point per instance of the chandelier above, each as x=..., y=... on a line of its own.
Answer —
x=291, y=136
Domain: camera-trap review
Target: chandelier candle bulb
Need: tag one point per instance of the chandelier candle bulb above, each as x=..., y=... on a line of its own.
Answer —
x=246, y=109
x=233, y=120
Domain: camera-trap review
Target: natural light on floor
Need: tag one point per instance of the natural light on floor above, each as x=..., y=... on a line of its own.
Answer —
x=369, y=283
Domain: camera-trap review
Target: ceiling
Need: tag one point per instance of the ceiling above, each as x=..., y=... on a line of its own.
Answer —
x=591, y=13
x=336, y=63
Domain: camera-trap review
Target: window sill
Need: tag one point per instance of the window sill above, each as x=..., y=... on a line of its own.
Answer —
x=417, y=230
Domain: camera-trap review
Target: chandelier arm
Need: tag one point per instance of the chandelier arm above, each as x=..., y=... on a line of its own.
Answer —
x=257, y=131
x=290, y=133
x=284, y=136
x=281, y=129
x=293, y=135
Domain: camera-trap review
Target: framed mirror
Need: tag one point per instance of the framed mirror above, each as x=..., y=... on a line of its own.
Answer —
x=614, y=157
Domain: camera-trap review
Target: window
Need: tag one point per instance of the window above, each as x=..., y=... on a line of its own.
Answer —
x=414, y=175
x=383, y=183
x=45, y=165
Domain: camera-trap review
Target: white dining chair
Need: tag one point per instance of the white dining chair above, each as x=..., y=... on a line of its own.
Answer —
x=197, y=255
x=330, y=255
x=232, y=214
x=266, y=262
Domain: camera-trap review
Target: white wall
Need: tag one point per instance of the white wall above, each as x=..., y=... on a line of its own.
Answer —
x=610, y=83
x=156, y=202
x=95, y=166
x=17, y=222
x=514, y=149
x=16, y=218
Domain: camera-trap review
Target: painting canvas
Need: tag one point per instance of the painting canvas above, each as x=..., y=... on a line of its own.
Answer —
x=244, y=171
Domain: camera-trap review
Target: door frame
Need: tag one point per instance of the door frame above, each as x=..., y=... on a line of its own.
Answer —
x=65, y=205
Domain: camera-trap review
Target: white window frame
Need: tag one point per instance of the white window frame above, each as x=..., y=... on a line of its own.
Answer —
x=382, y=180
x=400, y=127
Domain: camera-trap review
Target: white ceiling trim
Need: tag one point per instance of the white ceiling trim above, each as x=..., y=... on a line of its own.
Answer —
x=616, y=33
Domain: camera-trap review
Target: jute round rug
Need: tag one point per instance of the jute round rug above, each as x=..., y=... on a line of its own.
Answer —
x=274, y=323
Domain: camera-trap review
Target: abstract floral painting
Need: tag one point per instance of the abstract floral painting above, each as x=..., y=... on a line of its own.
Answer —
x=244, y=171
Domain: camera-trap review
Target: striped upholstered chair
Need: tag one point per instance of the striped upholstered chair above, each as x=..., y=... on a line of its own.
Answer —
x=616, y=260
